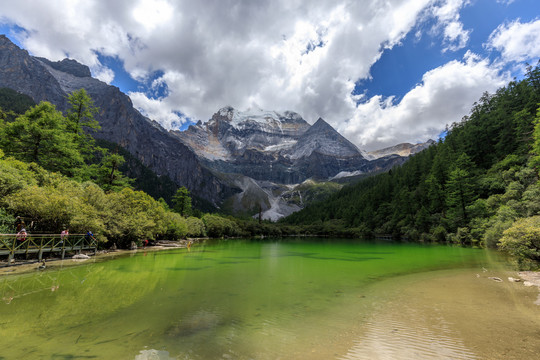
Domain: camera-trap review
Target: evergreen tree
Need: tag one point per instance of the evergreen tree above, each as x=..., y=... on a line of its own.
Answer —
x=460, y=189
x=182, y=201
x=81, y=121
x=535, y=151
x=109, y=175
x=40, y=136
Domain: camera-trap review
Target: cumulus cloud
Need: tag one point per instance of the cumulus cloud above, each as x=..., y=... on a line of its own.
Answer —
x=447, y=14
x=516, y=41
x=444, y=96
x=285, y=54
x=281, y=54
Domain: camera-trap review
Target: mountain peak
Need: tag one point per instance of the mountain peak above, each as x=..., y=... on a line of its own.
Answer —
x=69, y=66
x=323, y=138
x=321, y=124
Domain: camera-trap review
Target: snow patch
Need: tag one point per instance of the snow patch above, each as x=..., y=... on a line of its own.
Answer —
x=285, y=145
x=346, y=174
x=238, y=119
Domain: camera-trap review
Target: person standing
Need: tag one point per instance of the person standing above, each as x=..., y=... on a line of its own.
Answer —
x=21, y=236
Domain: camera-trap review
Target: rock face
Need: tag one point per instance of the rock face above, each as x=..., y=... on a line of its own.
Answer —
x=120, y=122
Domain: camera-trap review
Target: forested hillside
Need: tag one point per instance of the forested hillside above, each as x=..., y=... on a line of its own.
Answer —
x=468, y=188
x=54, y=175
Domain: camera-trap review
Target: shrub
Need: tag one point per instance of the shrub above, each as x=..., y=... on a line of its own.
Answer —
x=217, y=226
x=522, y=241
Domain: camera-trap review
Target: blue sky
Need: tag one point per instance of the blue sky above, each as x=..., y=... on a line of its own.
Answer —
x=401, y=68
x=380, y=71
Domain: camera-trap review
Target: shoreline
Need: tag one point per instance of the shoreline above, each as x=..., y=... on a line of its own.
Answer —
x=27, y=266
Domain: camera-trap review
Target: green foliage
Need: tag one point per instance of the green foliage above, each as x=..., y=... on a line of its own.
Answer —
x=108, y=174
x=6, y=222
x=195, y=227
x=217, y=226
x=460, y=190
x=522, y=241
x=535, y=151
x=14, y=175
x=40, y=136
x=143, y=178
x=14, y=103
x=182, y=201
x=80, y=122
x=81, y=113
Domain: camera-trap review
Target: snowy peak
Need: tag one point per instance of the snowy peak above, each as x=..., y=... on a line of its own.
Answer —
x=257, y=117
x=403, y=149
x=323, y=138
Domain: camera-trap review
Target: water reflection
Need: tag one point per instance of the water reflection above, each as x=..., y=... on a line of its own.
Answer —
x=235, y=300
x=18, y=286
x=387, y=339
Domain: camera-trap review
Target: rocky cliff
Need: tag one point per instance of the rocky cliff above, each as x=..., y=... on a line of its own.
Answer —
x=120, y=122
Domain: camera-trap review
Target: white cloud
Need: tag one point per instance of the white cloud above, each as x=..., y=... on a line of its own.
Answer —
x=445, y=95
x=447, y=14
x=516, y=41
x=154, y=109
x=103, y=73
x=281, y=54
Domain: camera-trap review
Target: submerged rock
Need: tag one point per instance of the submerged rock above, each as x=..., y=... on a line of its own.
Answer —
x=153, y=354
x=202, y=320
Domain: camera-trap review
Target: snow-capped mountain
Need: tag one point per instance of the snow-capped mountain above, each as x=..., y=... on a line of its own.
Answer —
x=276, y=151
x=273, y=146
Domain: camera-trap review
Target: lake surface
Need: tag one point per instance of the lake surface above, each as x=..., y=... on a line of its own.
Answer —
x=305, y=299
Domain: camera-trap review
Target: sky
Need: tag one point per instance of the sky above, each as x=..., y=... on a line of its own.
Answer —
x=381, y=72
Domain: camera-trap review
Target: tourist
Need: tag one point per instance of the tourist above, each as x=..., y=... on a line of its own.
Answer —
x=21, y=235
x=64, y=234
x=19, y=224
x=89, y=236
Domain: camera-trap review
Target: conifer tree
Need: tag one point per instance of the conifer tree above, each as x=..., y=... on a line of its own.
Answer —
x=182, y=201
x=81, y=121
x=40, y=136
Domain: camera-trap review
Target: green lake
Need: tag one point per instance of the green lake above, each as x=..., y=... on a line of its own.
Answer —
x=282, y=299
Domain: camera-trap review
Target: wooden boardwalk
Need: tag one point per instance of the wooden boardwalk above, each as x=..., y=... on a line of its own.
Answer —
x=44, y=243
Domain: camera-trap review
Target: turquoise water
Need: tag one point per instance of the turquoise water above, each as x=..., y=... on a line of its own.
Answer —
x=229, y=299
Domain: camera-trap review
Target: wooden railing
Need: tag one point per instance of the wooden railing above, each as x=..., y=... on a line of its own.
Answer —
x=44, y=243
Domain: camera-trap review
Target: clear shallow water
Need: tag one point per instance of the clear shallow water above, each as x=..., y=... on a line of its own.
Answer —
x=228, y=300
